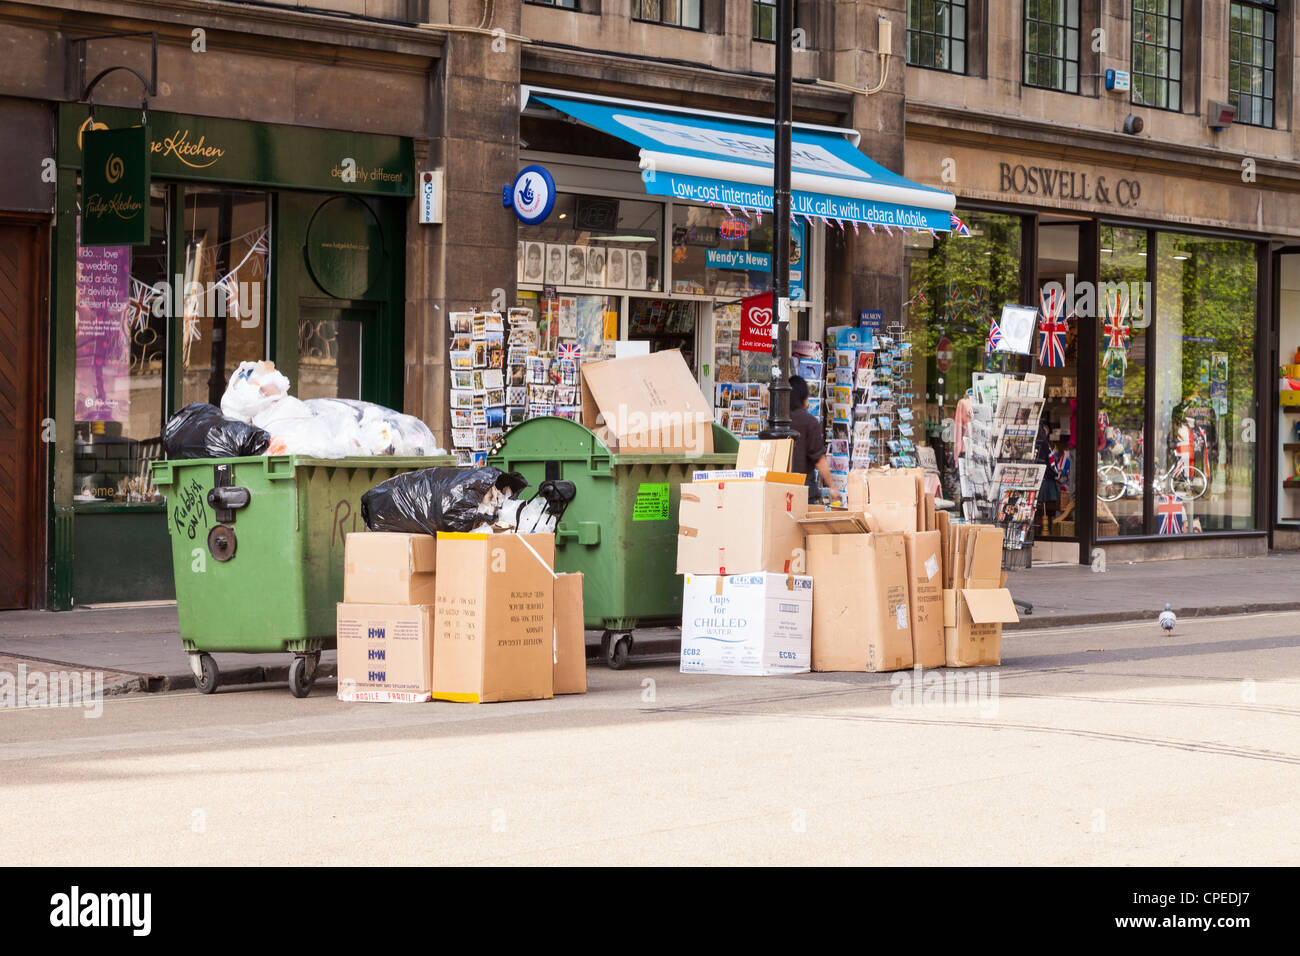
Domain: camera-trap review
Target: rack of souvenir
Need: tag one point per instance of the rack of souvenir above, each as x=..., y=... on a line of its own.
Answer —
x=505, y=369
x=998, y=469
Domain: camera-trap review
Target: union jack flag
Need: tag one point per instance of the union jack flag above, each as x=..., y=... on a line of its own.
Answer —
x=569, y=350
x=1184, y=449
x=995, y=338
x=1172, y=516
x=1117, y=330
x=1051, y=350
x=138, y=308
x=959, y=227
x=230, y=286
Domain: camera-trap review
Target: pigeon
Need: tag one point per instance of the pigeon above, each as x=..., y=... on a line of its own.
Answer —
x=1167, y=620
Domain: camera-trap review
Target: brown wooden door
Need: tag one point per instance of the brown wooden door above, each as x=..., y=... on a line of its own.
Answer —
x=20, y=460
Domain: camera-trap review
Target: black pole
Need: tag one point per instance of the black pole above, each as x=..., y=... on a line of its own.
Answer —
x=778, y=422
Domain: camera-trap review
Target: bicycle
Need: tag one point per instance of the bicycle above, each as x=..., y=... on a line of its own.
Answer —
x=1113, y=482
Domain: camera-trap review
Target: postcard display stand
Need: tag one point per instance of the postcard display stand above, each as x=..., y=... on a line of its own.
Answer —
x=505, y=370
x=999, y=469
x=742, y=407
x=868, y=421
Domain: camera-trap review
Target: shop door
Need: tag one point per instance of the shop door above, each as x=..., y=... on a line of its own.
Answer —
x=331, y=343
x=19, y=456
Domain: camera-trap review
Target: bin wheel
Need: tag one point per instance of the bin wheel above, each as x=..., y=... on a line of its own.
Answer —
x=209, y=676
x=301, y=677
x=618, y=648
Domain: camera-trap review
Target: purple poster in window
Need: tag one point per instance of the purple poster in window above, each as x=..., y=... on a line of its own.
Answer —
x=103, y=348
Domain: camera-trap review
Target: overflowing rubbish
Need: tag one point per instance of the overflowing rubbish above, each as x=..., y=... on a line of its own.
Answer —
x=439, y=499
x=321, y=427
x=200, y=430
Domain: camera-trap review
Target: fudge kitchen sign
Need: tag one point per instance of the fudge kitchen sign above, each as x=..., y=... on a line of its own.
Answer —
x=1056, y=182
x=756, y=323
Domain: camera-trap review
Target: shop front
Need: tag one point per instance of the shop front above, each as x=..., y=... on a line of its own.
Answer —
x=661, y=226
x=1159, y=419
x=265, y=242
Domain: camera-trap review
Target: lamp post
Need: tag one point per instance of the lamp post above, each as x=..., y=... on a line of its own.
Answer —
x=778, y=421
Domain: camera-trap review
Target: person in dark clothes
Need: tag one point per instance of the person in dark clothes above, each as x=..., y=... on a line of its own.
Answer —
x=809, y=456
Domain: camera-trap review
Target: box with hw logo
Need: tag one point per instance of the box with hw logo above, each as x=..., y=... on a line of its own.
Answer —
x=748, y=624
x=385, y=652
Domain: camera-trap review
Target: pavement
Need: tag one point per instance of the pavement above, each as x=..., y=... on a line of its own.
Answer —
x=1108, y=744
x=140, y=649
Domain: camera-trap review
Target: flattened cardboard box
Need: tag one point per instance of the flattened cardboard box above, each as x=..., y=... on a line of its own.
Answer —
x=768, y=454
x=570, y=668
x=925, y=597
x=494, y=627
x=893, y=496
x=748, y=624
x=861, y=618
x=742, y=527
x=385, y=652
x=382, y=567
x=647, y=404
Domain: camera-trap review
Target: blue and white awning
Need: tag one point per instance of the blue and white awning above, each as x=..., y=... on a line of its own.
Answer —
x=726, y=160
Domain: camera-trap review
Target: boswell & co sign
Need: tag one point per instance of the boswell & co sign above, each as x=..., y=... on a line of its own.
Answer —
x=1054, y=182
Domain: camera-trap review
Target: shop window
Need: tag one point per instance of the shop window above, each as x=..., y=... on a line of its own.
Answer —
x=1205, y=417
x=594, y=241
x=1051, y=44
x=672, y=13
x=1122, y=319
x=120, y=384
x=717, y=253
x=1157, y=53
x=956, y=289
x=225, y=299
x=563, y=4
x=936, y=34
x=1251, y=49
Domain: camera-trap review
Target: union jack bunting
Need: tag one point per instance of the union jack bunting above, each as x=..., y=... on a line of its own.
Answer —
x=1172, y=516
x=139, y=306
x=995, y=338
x=262, y=244
x=855, y=226
x=1051, y=349
x=230, y=286
x=959, y=227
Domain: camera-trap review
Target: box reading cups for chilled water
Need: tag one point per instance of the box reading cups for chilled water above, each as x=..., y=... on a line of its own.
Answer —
x=747, y=624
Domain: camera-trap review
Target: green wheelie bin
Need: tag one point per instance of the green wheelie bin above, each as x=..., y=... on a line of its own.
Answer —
x=620, y=530
x=257, y=549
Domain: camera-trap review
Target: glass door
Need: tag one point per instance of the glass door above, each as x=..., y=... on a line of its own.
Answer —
x=1287, y=269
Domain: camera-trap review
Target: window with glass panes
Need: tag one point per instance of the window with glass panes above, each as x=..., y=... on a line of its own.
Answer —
x=1052, y=44
x=936, y=34
x=1251, y=47
x=671, y=13
x=565, y=4
x=765, y=20
x=1158, y=53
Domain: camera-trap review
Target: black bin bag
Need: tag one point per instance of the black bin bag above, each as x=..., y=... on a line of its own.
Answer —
x=200, y=431
x=436, y=499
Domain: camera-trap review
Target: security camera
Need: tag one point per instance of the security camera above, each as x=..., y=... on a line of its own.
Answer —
x=1133, y=124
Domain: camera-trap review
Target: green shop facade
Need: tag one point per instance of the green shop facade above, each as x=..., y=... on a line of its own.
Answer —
x=265, y=242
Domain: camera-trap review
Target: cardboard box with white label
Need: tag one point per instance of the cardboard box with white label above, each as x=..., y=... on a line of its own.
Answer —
x=747, y=624
x=385, y=652
x=862, y=616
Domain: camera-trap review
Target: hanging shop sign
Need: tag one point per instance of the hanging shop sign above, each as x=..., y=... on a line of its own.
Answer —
x=531, y=196
x=115, y=187
x=756, y=323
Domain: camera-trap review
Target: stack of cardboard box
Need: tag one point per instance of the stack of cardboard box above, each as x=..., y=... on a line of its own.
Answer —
x=463, y=617
x=976, y=602
x=747, y=605
x=385, y=623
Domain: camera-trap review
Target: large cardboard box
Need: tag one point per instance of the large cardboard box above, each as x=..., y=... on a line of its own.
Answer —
x=894, y=497
x=925, y=597
x=570, y=670
x=385, y=652
x=494, y=624
x=862, y=617
x=754, y=624
x=764, y=454
x=647, y=404
x=742, y=527
x=388, y=568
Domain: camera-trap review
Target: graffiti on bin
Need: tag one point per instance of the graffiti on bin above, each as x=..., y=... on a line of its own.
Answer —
x=347, y=519
x=190, y=509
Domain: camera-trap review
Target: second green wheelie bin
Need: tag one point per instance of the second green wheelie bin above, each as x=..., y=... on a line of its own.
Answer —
x=257, y=549
x=620, y=530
